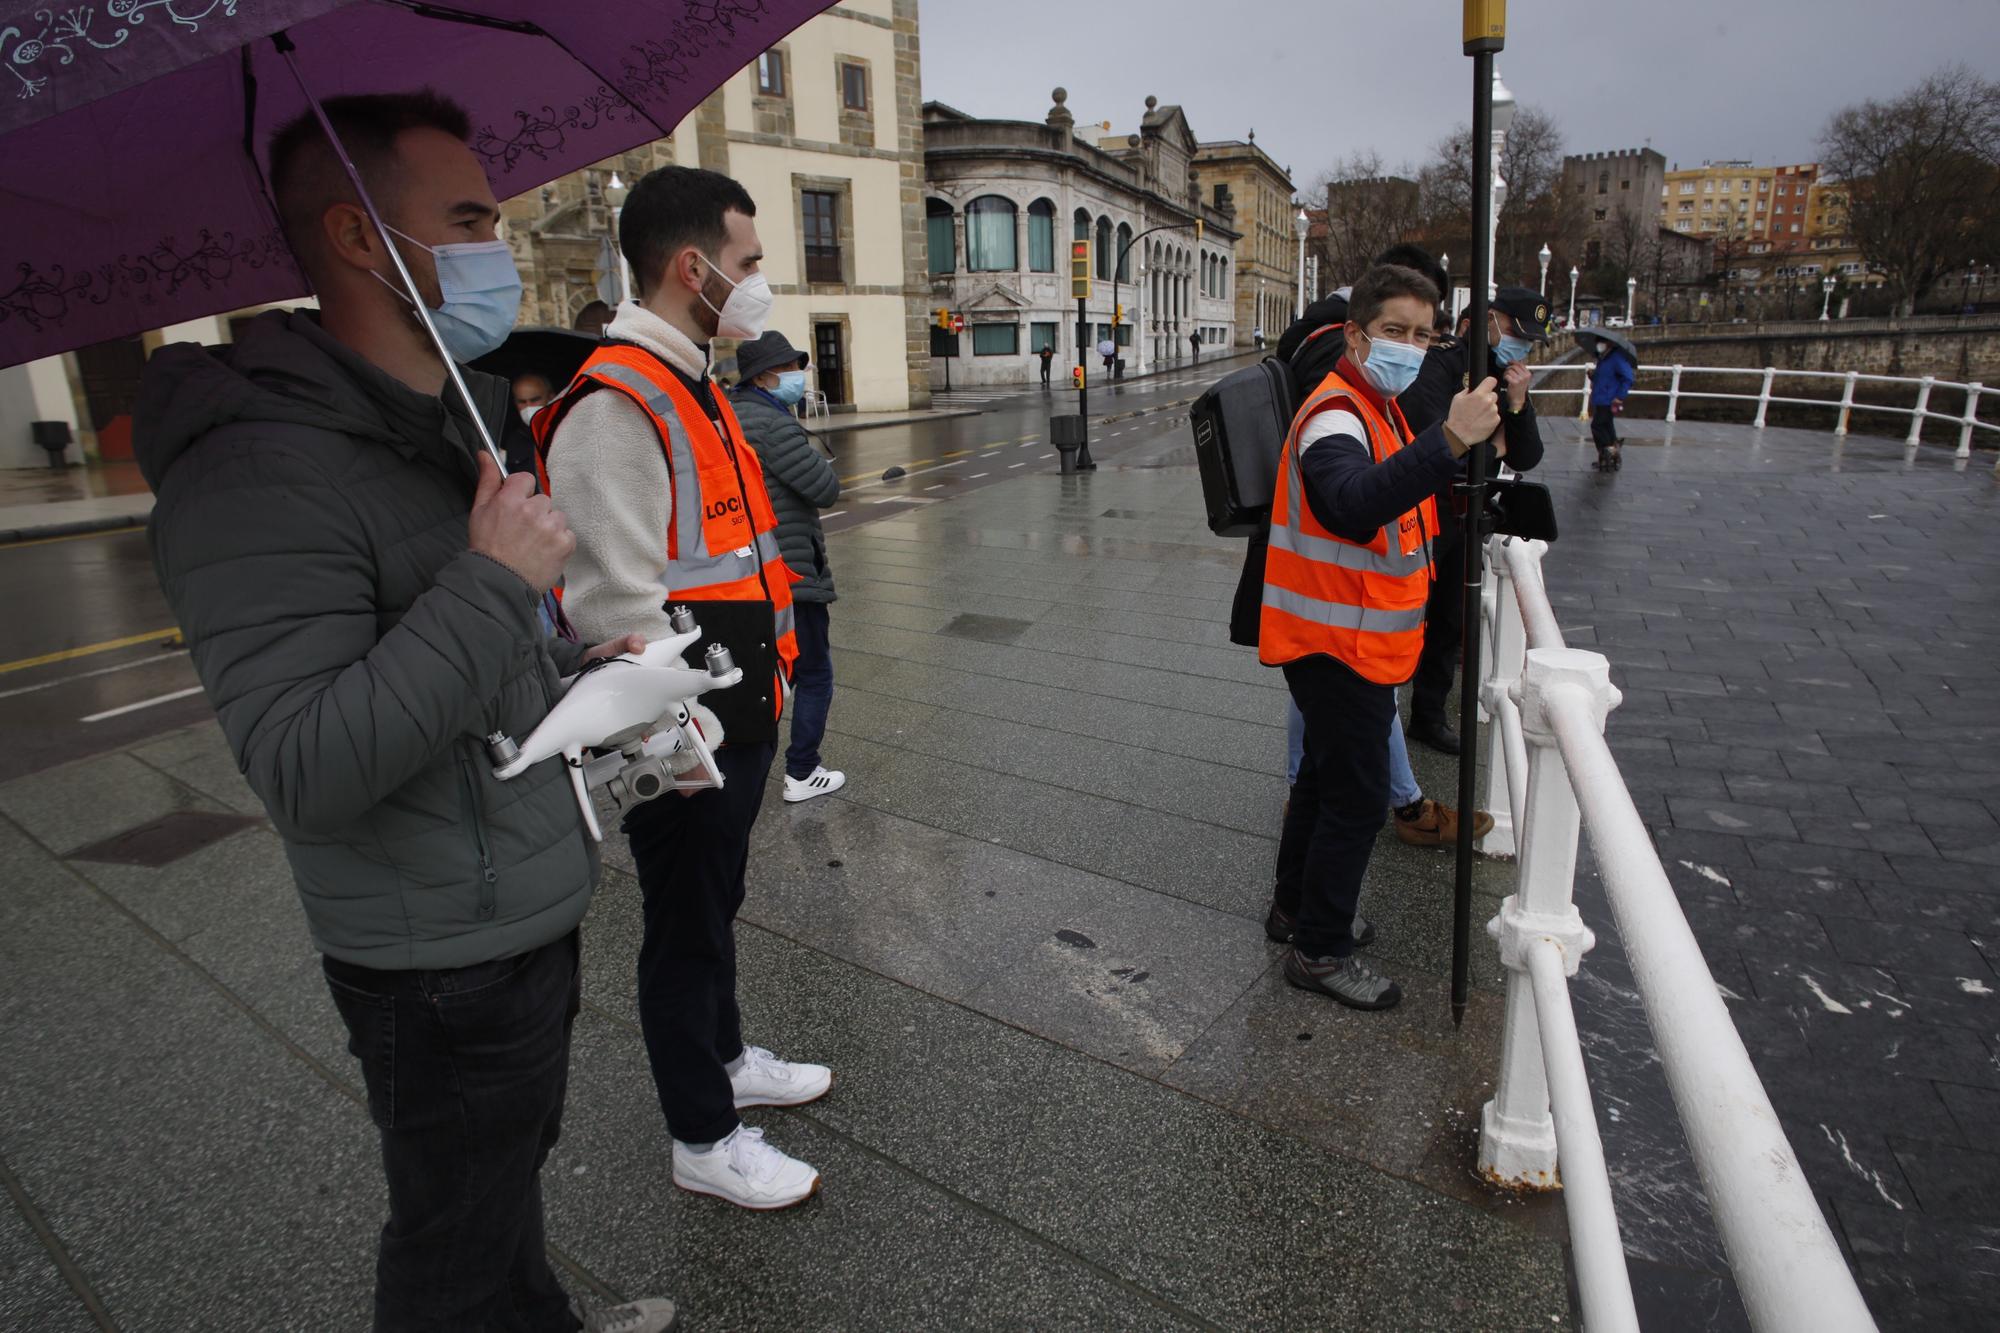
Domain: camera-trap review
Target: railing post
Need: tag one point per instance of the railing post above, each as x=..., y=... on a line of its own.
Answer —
x=1509, y=645
x=1674, y=394
x=1583, y=405
x=1517, y=1136
x=1972, y=392
x=1923, y=407
x=1764, y=395
x=1846, y=403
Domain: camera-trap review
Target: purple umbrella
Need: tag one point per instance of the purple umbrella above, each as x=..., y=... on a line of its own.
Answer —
x=135, y=197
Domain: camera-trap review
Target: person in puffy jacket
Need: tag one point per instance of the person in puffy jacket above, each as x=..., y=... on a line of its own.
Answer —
x=771, y=378
x=1609, y=384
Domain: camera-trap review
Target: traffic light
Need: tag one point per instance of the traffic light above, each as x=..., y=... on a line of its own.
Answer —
x=1079, y=270
x=943, y=318
x=1118, y=314
x=1197, y=231
x=1076, y=377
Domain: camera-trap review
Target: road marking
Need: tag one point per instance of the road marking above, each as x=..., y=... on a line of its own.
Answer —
x=143, y=703
x=86, y=675
x=977, y=475
x=876, y=476
x=835, y=514
x=1047, y=455
x=956, y=453
x=1015, y=465
x=67, y=654
x=938, y=487
x=136, y=529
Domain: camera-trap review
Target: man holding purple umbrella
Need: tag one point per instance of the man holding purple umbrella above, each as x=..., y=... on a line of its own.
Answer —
x=360, y=590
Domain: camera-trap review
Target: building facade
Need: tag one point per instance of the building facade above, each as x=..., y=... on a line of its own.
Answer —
x=1620, y=192
x=825, y=130
x=1267, y=247
x=1005, y=201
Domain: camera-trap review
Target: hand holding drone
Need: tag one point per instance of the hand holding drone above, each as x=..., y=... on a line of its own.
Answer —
x=628, y=728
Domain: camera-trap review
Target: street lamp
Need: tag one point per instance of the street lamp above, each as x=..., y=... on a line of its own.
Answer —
x=1543, y=286
x=1631, y=291
x=1573, y=276
x=1503, y=120
x=614, y=190
x=1300, y=224
x=1825, y=285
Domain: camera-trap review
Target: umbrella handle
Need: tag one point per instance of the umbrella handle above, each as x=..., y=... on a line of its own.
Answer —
x=283, y=42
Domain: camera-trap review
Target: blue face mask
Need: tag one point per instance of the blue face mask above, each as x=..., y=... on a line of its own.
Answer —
x=791, y=387
x=1512, y=349
x=1392, y=366
x=482, y=295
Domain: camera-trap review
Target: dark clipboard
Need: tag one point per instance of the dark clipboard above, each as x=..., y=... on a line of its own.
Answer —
x=748, y=630
x=1517, y=508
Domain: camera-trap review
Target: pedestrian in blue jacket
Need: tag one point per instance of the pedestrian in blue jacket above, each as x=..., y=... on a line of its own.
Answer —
x=1608, y=388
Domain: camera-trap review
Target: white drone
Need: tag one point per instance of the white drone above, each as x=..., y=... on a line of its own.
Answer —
x=637, y=721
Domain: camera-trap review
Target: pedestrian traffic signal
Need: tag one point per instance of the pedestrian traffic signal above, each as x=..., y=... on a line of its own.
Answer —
x=943, y=318
x=1079, y=270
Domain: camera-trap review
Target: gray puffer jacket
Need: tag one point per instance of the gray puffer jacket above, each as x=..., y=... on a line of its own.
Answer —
x=801, y=482
x=310, y=534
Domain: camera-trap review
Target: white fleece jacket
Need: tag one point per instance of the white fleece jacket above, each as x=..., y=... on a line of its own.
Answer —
x=608, y=475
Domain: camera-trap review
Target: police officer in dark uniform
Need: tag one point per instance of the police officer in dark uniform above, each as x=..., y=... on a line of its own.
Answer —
x=1517, y=319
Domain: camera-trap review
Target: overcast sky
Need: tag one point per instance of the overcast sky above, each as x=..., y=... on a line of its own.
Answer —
x=1317, y=79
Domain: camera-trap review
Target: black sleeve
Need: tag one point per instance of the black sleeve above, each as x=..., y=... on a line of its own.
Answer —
x=1355, y=497
x=1524, y=438
x=1428, y=401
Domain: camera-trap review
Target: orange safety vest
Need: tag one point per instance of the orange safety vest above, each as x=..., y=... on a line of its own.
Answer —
x=722, y=542
x=1360, y=604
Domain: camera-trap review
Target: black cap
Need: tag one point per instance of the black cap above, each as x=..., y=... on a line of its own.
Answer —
x=1528, y=310
x=769, y=352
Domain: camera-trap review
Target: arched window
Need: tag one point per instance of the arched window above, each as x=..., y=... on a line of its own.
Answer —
x=937, y=232
x=989, y=235
x=1104, y=249
x=1082, y=224
x=1042, y=236
x=1124, y=254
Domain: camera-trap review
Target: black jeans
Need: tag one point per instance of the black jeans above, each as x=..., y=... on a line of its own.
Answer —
x=812, y=688
x=1603, y=426
x=1444, y=627
x=466, y=1070
x=692, y=852
x=1337, y=802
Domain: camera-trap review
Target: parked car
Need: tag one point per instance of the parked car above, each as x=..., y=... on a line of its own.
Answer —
x=1617, y=322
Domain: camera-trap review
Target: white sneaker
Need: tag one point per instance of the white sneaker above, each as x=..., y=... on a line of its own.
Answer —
x=822, y=781
x=655, y=1315
x=765, y=1080
x=746, y=1171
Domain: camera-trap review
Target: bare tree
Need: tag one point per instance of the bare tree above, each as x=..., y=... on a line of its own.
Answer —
x=1368, y=209
x=1923, y=176
x=1537, y=210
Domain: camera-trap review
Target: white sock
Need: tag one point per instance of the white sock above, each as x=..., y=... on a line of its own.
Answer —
x=734, y=1067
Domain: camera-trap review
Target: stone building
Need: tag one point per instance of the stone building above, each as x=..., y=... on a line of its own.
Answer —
x=1005, y=201
x=825, y=130
x=1267, y=249
x=1620, y=191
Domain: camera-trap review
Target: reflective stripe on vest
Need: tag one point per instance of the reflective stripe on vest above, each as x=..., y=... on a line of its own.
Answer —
x=734, y=500
x=1359, y=603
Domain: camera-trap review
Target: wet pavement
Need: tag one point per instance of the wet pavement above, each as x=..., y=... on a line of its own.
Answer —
x=1073, y=1091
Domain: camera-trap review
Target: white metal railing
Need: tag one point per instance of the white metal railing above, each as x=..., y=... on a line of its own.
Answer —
x=1967, y=421
x=1552, y=775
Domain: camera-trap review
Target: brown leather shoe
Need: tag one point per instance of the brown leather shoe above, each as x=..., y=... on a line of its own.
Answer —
x=1437, y=825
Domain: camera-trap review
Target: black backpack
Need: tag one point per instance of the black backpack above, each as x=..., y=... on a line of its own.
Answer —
x=1240, y=425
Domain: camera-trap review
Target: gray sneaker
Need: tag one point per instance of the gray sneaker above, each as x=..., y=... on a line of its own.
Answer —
x=655, y=1315
x=1348, y=980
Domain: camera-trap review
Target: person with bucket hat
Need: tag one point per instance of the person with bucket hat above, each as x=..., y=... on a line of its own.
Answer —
x=1517, y=320
x=771, y=378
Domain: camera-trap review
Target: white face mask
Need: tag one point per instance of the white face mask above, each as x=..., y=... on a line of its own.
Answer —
x=748, y=309
x=528, y=414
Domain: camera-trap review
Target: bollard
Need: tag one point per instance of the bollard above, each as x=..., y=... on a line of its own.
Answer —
x=1764, y=396
x=1846, y=404
x=1517, y=1133
x=1923, y=410
x=1673, y=395
x=1972, y=392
